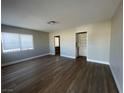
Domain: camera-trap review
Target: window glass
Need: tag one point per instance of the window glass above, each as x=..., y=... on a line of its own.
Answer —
x=56, y=41
x=10, y=42
x=26, y=41
x=15, y=42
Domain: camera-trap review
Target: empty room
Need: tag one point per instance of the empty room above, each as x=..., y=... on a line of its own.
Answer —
x=62, y=46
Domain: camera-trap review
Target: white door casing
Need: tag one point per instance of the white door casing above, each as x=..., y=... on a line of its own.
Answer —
x=82, y=44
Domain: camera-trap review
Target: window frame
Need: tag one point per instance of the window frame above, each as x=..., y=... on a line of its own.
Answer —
x=20, y=44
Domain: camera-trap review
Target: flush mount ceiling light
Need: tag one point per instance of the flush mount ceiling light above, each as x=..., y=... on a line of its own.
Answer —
x=52, y=22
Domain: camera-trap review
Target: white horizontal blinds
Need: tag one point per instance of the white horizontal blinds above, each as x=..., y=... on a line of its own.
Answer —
x=10, y=42
x=56, y=41
x=15, y=42
x=26, y=41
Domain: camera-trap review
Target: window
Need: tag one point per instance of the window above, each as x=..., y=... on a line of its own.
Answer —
x=26, y=42
x=15, y=42
x=56, y=41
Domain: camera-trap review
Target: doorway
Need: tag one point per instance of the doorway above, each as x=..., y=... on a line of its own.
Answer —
x=57, y=45
x=81, y=44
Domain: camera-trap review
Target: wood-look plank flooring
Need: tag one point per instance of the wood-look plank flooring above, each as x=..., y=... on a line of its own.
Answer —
x=54, y=74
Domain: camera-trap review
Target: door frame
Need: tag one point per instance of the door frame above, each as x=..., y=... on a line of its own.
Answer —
x=59, y=44
x=77, y=50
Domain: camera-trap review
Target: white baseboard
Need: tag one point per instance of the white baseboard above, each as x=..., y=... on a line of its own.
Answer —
x=52, y=53
x=68, y=56
x=63, y=55
x=97, y=61
x=18, y=61
x=115, y=78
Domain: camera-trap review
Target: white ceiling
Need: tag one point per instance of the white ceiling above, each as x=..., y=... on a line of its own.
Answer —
x=34, y=14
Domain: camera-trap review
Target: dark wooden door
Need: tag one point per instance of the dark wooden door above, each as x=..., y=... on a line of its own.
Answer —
x=57, y=45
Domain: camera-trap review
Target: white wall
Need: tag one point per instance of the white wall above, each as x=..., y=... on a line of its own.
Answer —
x=116, y=49
x=67, y=44
x=98, y=41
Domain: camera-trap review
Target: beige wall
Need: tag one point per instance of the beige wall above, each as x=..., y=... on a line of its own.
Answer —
x=98, y=41
x=116, y=49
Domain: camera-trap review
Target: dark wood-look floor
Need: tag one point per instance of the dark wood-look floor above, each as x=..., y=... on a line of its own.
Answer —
x=52, y=74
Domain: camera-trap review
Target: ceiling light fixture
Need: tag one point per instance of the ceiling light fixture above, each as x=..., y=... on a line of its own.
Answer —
x=52, y=22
